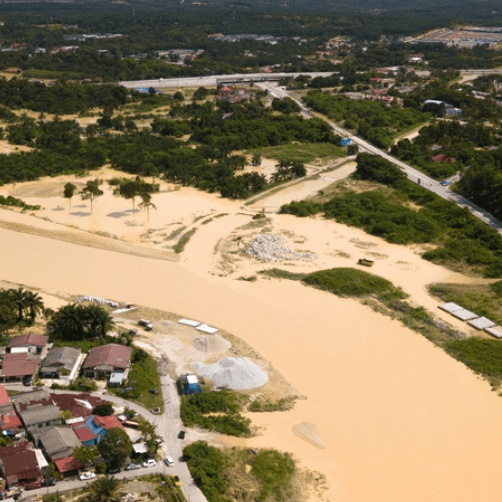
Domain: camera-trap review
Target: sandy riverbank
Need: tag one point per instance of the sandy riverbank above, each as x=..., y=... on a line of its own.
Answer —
x=401, y=420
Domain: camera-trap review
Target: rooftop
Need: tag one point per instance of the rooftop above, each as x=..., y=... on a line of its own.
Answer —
x=31, y=339
x=18, y=365
x=114, y=355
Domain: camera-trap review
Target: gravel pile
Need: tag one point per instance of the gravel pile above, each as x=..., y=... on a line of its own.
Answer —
x=234, y=373
x=211, y=343
x=269, y=248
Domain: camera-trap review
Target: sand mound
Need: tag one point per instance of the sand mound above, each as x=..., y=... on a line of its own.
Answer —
x=308, y=432
x=211, y=343
x=234, y=373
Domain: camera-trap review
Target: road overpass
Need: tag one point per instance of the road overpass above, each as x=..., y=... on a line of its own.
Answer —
x=214, y=80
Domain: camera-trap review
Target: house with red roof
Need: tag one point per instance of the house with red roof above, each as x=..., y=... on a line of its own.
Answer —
x=94, y=428
x=68, y=465
x=34, y=343
x=440, y=157
x=106, y=359
x=79, y=405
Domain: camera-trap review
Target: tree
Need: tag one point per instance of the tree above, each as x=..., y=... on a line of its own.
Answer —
x=18, y=297
x=85, y=454
x=68, y=323
x=115, y=446
x=34, y=304
x=105, y=489
x=98, y=321
x=256, y=159
x=146, y=202
x=297, y=169
x=150, y=436
x=103, y=410
x=69, y=191
x=91, y=191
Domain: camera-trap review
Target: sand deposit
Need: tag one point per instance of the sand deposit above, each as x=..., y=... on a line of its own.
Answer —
x=308, y=432
x=269, y=248
x=211, y=343
x=234, y=373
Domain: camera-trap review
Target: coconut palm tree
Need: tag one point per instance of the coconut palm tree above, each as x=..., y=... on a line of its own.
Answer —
x=18, y=296
x=68, y=323
x=105, y=489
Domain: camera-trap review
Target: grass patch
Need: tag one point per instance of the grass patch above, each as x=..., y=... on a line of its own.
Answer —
x=218, y=411
x=183, y=241
x=483, y=299
x=85, y=345
x=260, y=405
x=303, y=153
x=482, y=355
x=143, y=376
x=242, y=475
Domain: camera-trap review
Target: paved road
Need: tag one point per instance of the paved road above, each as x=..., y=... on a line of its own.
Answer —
x=168, y=427
x=412, y=173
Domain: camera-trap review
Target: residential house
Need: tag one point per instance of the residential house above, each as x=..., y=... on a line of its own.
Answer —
x=9, y=421
x=441, y=157
x=18, y=367
x=68, y=465
x=94, y=428
x=32, y=399
x=61, y=362
x=106, y=359
x=34, y=343
x=20, y=465
x=59, y=442
x=40, y=418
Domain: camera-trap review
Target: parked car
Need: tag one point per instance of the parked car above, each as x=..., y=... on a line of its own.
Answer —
x=146, y=324
x=181, y=434
x=149, y=463
x=445, y=183
x=153, y=391
x=113, y=470
x=169, y=461
x=48, y=482
x=84, y=476
x=132, y=467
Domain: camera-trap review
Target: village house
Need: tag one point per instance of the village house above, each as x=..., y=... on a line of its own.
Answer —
x=34, y=343
x=18, y=367
x=59, y=442
x=61, y=362
x=20, y=465
x=79, y=405
x=9, y=421
x=106, y=359
x=68, y=466
x=39, y=418
x=94, y=428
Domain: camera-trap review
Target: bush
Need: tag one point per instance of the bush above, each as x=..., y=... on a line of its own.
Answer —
x=482, y=355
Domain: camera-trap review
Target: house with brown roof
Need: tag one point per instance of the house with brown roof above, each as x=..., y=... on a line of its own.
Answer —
x=18, y=367
x=106, y=359
x=19, y=465
x=79, y=405
x=59, y=442
x=68, y=465
x=34, y=343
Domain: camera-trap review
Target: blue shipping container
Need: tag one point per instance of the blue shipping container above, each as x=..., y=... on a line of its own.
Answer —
x=345, y=141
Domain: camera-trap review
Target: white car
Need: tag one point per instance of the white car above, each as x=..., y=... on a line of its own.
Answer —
x=169, y=461
x=84, y=476
x=149, y=463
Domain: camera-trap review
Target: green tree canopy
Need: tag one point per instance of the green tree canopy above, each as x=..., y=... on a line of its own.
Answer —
x=115, y=446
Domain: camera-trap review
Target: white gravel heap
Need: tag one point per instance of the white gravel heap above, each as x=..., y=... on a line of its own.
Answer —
x=211, y=343
x=269, y=248
x=233, y=372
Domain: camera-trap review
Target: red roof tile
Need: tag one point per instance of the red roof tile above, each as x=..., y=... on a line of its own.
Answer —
x=68, y=464
x=84, y=433
x=4, y=398
x=31, y=339
x=70, y=402
x=21, y=465
x=10, y=421
x=13, y=449
x=108, y=422
x=17, y=365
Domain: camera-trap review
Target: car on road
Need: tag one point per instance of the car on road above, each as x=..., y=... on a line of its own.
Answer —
x=113, y=470
x=48, y=482
x=445, y=183
x=132, y=467
x=84, y=476
x=169, y=461
x=181, y=434
x=149, y=463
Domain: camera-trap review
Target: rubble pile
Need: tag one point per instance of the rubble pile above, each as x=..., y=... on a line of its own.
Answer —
x=270, y=248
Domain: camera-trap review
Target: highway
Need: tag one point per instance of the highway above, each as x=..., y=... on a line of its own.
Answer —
x=412, y=173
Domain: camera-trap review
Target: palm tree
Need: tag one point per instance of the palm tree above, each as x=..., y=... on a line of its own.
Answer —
x=34, y=304
x=146, y=202
x=99, y=322
x=18, y=296
x=68, y=322
x=105, y=489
